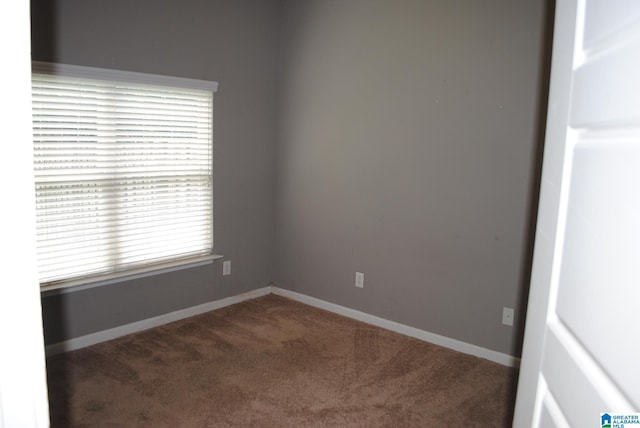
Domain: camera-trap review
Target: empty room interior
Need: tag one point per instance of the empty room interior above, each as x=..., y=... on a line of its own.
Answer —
x=397, y=139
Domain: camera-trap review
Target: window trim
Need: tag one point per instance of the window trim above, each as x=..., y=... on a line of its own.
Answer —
x=145, y=270
x=101, y=280
x=122, y=76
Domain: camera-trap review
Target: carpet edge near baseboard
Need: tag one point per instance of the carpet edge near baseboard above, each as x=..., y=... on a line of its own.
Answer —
x=145, y=324
x=426, y=336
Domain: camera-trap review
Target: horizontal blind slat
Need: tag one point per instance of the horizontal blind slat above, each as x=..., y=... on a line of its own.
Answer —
x=123, y=174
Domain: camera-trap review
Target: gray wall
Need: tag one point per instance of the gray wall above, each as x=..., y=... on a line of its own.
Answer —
x=396, y=138
x=232, y=42
x=407, y=147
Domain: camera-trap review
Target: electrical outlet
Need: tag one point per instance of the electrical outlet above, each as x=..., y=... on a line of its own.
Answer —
x=226, y=267
x=359, y=279
x=507, y=316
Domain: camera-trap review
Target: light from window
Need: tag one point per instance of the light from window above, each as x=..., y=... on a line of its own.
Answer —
x=123, y=170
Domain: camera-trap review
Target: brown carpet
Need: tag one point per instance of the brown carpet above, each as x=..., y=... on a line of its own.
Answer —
x=273, y=362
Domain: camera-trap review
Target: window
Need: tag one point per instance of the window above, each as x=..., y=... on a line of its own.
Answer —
x=123, y=171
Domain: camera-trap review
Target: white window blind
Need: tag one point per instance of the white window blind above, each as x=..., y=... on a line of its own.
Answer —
x=123, y=170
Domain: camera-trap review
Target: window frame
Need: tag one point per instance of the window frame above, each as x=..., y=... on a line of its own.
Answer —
x=143, y=270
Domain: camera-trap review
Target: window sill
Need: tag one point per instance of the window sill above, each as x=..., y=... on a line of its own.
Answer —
x=112, y=278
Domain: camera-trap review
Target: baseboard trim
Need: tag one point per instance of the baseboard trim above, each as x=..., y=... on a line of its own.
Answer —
x=135, y=327
x=447, y=342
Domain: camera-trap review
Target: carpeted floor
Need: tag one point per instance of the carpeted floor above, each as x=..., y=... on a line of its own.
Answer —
x=273, y=362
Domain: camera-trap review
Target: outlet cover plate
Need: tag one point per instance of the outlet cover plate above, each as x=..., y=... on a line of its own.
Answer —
x=359, y=279
x=507, y=316
x=226, y=267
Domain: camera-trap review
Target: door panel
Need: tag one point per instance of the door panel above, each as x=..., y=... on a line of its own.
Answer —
x=568, y=382
x=606, y=18
x=601, y=258
x=551, y=414
x=602, y=88
x=580, y=354
x=546, y=420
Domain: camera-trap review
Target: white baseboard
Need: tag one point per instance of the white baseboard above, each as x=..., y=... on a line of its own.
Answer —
x=447, y=342
x=113, y=333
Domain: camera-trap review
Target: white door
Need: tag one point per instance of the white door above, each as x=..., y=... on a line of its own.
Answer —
x=23, y=388
x=581, y=352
